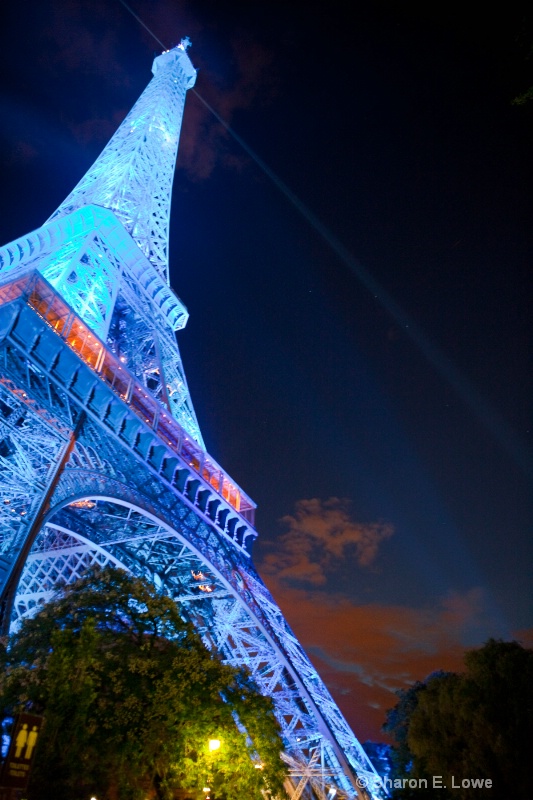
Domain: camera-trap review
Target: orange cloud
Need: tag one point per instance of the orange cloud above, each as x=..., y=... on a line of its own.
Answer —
x=320, y=534
x=366, y=652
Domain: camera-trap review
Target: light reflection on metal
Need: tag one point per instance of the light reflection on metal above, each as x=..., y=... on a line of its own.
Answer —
x=87, y=344
x=133, y=176
x=138, y=325
x=40, y=297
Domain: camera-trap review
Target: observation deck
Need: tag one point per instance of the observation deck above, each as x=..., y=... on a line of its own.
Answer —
x=38, y=321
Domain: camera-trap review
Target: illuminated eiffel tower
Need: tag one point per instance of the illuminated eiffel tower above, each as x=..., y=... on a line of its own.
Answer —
x=101, y=456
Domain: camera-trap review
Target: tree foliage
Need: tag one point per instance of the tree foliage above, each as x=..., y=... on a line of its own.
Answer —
x=131, y=698
x=476, y=724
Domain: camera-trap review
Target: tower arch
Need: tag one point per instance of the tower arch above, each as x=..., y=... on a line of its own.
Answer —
x=101, y=455
x=87, y=530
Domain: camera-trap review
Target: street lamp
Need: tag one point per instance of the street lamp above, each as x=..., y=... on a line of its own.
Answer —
x=214, y=745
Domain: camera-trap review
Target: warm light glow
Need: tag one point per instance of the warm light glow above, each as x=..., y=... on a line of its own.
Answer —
x=214, y=744
x=76, y=331
x=83, y=504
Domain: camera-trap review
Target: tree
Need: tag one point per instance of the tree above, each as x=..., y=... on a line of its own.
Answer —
x=398, y=723
x=476, y=724
x=131, y=698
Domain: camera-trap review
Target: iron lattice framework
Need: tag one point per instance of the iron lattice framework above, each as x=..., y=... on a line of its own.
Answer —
x=101, y=456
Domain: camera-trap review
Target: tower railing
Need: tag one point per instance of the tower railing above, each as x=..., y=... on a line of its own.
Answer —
x=41, y=297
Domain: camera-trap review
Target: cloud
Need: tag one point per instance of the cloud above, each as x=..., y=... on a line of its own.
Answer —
x=364, y=653
x=97, y=130
x=204, y=141
x=254, y=70
x=85, y=40
x=22, y=153
x=320, y=536
x=525, y=637
x=92, y=45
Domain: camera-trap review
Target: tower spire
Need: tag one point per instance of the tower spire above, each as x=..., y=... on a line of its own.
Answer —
x=101, y=456
x=133, y=175
x=105, y=249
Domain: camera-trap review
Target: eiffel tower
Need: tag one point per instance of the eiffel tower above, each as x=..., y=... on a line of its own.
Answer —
x=101, y=456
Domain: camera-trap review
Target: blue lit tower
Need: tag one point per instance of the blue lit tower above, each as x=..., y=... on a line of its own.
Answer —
x=101, y=457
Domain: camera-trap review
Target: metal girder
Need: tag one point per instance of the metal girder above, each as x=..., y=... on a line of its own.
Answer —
x=29, y=450
x=94, y=380
x=101, y=456
x=150, y=511
x=96, y=530
x=100, y=275
x=133, y=175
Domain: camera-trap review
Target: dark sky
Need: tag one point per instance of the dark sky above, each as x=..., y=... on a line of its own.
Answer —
x=377, y=407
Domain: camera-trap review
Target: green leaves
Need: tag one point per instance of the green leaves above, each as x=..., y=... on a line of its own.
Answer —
x=131, y=698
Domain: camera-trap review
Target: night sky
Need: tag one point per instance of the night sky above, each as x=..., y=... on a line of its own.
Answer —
x=368, y=383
